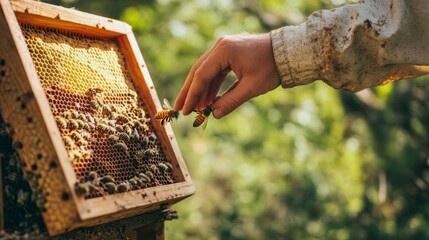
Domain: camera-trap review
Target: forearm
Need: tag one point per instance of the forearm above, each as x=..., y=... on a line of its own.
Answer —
x=356, y=46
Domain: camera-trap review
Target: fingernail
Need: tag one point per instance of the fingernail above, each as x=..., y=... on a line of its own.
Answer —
x=217, y=113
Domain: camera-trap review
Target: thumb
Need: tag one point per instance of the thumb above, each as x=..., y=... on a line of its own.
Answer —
x=236, y=95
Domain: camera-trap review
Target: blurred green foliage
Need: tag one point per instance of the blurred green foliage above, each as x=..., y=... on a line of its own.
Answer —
x=303, y=163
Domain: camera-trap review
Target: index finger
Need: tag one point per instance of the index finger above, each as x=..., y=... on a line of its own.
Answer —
x=180, y=100
x=209, y=73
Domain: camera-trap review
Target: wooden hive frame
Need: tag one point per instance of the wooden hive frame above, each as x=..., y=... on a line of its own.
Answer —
x=25, y=106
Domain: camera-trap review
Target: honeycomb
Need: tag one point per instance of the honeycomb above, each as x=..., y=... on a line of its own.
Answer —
x=109, y=138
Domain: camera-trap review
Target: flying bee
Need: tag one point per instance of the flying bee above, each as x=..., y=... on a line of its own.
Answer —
x=203, y=116
x=61, y=122
x=92, y=92
x=168, y=114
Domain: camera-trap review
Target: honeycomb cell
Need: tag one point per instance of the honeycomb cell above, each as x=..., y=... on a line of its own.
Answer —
x=88, y=86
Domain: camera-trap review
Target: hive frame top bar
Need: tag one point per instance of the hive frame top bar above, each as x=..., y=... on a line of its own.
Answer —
x=98, y=210
x=46, y=15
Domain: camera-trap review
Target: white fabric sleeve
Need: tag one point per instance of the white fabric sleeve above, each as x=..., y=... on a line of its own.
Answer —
x=356, y=46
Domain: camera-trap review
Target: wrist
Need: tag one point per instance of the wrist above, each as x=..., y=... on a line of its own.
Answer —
x=294, y=56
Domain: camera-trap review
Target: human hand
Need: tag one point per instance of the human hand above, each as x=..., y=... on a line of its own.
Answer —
x=249, y=56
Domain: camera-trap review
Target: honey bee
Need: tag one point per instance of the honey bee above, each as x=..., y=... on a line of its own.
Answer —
x=92, y=175
x=89, y=118
x=152, y=137
x=149, y=174
x=140, y=113
x=169, y=165
x=110, y=187
x=74, y=113
x=92, y=92
x=153, y=168
x=75, y=135
x=203, y=116
x=107, y=179
x=124, y=187
x=22, y=197
x=119, y=128
x=81, y=189
x=121, y=146
x=88, y=126
x=75, y=155
x=134, y=137
x=139, y=155
x=113, y=139
x=67, y=115
x=137, y=124
x=80, y=123
x=145, y=178
x=124, y=137
x=128, y=130
x=94, y=104
x=86, y=154
x=163, y=167
x=168, y=114
x=121, y=118
x=61, y=122
x=107, y=110
x=86, y=135
x=68, y=141
x=73, y=124
x=150, y=152
x=104, y=128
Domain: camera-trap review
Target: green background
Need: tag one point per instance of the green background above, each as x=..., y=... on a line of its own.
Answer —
x=304, y=163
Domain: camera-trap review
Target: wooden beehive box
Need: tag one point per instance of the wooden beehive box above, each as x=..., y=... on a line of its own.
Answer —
x=75, y=89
